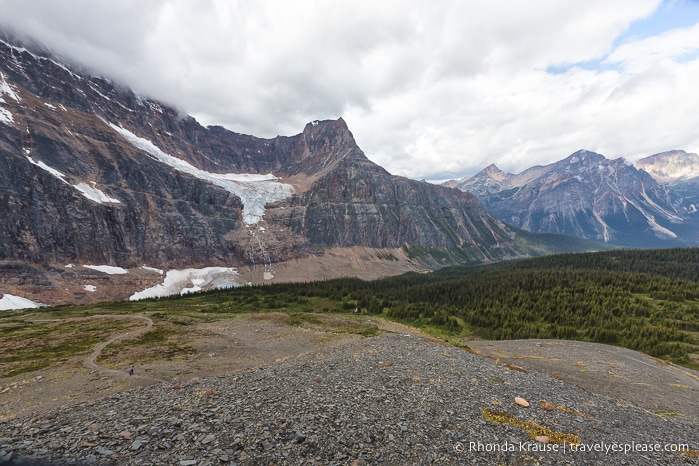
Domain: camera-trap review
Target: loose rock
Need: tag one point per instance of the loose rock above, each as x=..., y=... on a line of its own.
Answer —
x=424, y=408
x=521, y=402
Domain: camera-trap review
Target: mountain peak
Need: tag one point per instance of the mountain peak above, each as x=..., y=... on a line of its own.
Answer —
x=671, y=165
x=316, y=126
x=492, y=172
x=322, y=135
x=492, y=168
x=584, y=156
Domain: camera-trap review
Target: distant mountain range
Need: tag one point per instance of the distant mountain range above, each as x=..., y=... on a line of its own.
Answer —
x=650, y=205
x=92, y=174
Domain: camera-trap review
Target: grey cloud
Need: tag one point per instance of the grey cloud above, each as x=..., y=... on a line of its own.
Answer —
x=427, y=88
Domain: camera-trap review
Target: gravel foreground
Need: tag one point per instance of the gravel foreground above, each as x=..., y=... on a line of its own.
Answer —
x=392, y=399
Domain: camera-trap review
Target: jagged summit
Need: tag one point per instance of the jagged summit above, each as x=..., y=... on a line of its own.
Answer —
x=493, y=172
x=583, y=155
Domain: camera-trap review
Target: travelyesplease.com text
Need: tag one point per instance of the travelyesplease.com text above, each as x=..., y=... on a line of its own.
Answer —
x=607, y=448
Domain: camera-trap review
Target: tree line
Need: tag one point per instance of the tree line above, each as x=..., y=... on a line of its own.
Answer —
x=647, y=300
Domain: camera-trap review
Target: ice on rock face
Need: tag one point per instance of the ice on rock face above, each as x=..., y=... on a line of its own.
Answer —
x=6, y=117
x=6, y=90
x=90, y=192
x=254, y=190
x=95, y=194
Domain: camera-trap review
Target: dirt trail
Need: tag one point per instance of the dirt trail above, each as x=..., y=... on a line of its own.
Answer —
x=77, y=380
x=89, y=360
x=220, y=347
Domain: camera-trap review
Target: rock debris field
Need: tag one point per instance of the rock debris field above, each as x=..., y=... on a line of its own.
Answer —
x=391, y=399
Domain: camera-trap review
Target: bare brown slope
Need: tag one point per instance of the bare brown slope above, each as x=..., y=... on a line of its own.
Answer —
x=619, y=373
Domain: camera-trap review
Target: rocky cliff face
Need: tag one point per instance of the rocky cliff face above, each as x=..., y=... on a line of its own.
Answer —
x=354, y=202
x=585, y=195
x=92, y=173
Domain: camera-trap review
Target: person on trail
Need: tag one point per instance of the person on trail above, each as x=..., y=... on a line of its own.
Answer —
x=131, y=370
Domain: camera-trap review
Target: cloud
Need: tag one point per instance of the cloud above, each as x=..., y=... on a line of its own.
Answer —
x=673, y=46
x=429, y=89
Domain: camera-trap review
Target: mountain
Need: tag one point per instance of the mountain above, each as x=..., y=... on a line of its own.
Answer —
x=585, y=195
x=678, y=171
x=104, y=193
x=672, y=166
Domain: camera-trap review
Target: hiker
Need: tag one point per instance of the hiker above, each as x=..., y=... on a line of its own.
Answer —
x=131, y=370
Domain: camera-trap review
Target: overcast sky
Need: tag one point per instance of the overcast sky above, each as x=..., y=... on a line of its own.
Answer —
x=431, y=89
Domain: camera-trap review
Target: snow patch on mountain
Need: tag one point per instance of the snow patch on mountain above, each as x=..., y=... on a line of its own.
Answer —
x=22, y=50
x=254, y=190
x=6, y=117
x=190, y=281
x=10, y=302
x=90, y=192
x=108, y=269
x=152, y=269
x=95, y=194
x=5, y=89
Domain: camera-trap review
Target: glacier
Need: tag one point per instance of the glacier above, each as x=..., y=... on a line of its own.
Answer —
x=254, y=190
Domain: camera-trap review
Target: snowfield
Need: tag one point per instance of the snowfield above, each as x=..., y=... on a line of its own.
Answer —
x=10, y=302
x=190, y=281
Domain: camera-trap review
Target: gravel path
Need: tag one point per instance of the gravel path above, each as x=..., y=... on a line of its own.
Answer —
x=391, y=399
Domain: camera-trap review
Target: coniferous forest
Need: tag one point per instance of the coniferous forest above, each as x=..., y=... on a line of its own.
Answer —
x=647, y=300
